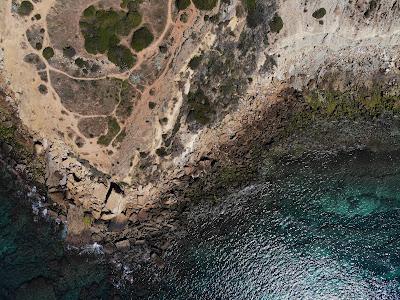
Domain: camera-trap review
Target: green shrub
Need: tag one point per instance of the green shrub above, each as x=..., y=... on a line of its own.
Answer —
x=249, y=4
x=48, y=53
x=102, y=30
x=141, y=39
x=25, y=8
x=200, y=108
x=89, y=12
x=69, y=52
x=195, y=62
x=161, y=152
x=319, y=13
x=182, y=4
x=81, y=63
x=127, y=23
x=122, y=57
x=87, y=220
x=276, y=24
x=205, y=4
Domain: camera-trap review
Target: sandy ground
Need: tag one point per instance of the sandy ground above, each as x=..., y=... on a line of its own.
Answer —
x=46, y=116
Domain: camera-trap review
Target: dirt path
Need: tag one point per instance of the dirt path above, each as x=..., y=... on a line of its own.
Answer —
x=47, y=115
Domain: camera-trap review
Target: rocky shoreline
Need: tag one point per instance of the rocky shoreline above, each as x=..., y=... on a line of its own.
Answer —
x=134, y=240
x=134, y=235
x=263, y=96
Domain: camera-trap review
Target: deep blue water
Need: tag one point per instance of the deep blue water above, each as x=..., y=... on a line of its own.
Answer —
x=320, y=227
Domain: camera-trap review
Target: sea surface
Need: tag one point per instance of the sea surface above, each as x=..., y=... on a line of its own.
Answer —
x=326, y=226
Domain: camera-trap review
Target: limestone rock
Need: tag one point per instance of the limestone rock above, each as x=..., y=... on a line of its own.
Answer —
x=108, y=217
x=116, y=203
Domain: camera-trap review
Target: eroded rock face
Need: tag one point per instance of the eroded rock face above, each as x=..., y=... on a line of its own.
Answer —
x=66, y=175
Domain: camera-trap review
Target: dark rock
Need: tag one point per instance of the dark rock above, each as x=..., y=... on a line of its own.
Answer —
x=118, y=223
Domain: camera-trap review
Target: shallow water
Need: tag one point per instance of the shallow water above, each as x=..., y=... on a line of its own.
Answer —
x=325, y=227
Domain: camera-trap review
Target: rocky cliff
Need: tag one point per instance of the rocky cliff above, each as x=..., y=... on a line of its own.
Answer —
x=127, y=148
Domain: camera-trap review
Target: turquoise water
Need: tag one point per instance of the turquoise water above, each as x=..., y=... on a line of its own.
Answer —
x=324, y=227
x=320, y=227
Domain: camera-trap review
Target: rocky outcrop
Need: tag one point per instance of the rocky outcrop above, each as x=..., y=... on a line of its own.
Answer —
x=82, y=187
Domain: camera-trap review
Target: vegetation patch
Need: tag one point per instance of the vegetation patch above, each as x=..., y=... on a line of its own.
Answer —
x=141, y=39
x=152, y=105
x=25, y=8
x=334, y=105
x=276, y=24
x=103, y=29
x=35, y=36
x=195, y=62
x=122, y=57
x=250, y=5
x=161, y=152
x=43, y=89
x=87, y=97
x=113, y=130
x=48, y=53
x=205, y=4
x=69, y=52
x=319, y=13
x=93, y=127
x=182, y=4
x=81, y=63
x=87, y=220
x=128, y=95
x=7, y=133
x=120, y=137
x=200, y=108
